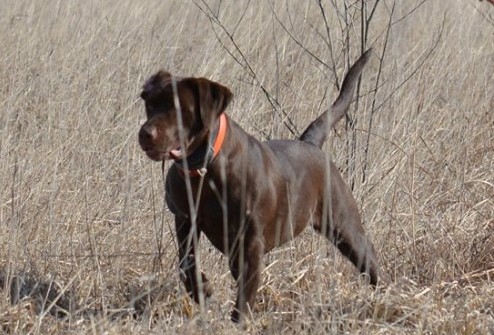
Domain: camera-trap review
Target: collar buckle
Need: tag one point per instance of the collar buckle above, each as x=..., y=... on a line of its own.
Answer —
x=197, y=167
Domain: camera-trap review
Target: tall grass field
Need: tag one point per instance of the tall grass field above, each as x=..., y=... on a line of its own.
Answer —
x=87, y=245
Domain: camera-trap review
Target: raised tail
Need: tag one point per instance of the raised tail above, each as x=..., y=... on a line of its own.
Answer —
x=318, y=130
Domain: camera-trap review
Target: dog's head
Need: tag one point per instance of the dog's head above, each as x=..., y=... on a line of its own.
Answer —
x=196, y=102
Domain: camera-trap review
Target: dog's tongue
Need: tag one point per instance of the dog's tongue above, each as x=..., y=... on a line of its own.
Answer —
x=176, y=153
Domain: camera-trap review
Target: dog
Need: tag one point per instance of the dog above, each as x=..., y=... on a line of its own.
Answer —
x=247, y=196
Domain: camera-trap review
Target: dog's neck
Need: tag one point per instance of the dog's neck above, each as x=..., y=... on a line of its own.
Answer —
x=197, y=162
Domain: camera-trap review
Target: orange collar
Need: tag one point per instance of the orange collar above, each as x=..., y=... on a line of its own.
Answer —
x=220, y=137
x=198, y=161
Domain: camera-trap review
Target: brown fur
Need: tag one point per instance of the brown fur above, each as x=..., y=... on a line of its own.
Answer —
x=255, y=195
x=490, y=1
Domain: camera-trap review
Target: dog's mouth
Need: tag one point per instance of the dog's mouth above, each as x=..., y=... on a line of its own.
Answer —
x=176, y=153
x=159, y=155
x=156, y=155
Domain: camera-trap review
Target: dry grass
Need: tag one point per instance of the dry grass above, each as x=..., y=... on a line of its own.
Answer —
x=82, y=216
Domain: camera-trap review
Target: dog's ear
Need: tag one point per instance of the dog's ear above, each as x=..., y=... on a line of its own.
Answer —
x=213, y=100
x=155, y=83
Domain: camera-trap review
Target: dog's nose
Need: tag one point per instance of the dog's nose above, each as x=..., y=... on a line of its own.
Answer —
x=147, y=135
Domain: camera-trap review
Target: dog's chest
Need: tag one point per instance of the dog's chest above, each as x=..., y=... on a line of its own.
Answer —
x=216, y=213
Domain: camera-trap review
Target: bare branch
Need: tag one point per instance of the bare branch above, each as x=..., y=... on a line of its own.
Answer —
x=244, y=63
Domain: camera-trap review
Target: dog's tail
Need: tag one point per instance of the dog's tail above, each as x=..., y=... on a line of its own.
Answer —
x=318, y=130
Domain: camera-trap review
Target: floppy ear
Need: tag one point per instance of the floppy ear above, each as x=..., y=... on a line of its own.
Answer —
x=213, y=100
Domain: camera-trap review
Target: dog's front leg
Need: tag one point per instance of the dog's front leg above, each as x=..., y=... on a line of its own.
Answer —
x=195, y=281
x=245, y=265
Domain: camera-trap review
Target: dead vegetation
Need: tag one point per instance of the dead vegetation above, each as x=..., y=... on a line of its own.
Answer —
x=85, y=240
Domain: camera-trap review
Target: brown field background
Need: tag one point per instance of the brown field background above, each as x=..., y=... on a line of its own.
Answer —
x=82, y=214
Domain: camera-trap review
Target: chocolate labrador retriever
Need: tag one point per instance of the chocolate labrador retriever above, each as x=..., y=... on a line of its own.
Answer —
x=247, y=196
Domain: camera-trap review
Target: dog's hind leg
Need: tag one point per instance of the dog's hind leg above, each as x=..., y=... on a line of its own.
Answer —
x=343, y=227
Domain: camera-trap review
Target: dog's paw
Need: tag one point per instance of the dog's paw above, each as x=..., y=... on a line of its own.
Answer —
x=207, y=287
x=236, y=317
x=195, y=290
